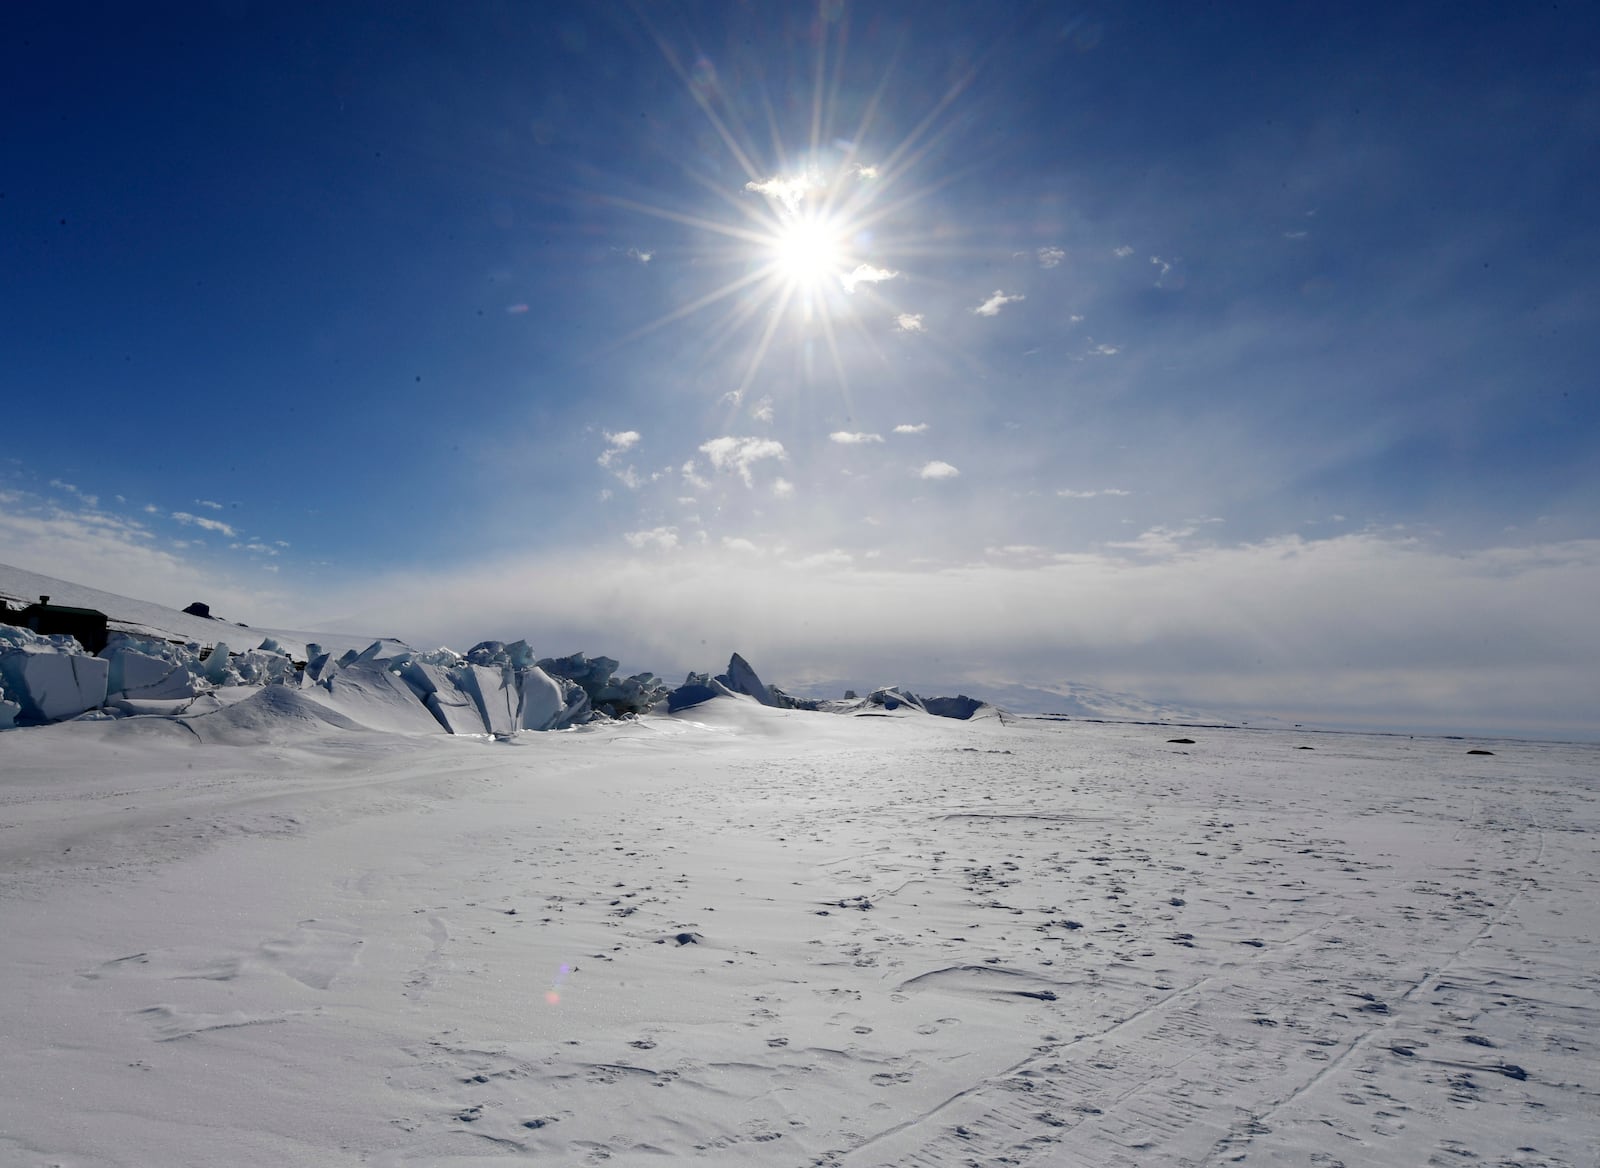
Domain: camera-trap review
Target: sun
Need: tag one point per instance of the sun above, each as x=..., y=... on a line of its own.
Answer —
x=807, y=252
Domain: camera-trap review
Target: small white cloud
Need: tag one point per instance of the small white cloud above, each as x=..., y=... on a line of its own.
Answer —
x=1105, y=350
x=640, y=256
x=202, y=522
x=1163, y=265
x=283, y=543
x=763, y=410
x=865, y=172
x=617, y=443
x=663, y=538
x=736, y=544
x=847, y=438
x=993, y=305
x=782, y=488
x=691, y=477
x=1051, y=257
x=788, y=191
x=911, y=428
x=866, y=274
x=151, y=509
x=208, y=503
x=909, y=322
x=1067, y=493
x=938, y=470
x=1075, y=318
x=1122, y=252
x=739, y=454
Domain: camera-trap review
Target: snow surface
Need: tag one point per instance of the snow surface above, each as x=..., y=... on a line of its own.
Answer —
x=751, y=936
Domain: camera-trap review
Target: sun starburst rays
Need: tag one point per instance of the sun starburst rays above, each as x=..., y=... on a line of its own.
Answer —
x=795, y=258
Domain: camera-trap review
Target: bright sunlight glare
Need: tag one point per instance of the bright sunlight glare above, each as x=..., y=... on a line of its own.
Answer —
x=807, y=252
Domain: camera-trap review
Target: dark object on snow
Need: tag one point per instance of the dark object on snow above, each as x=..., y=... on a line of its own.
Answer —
x=1182, y=741
x=691, y=693
x=88, y=625
x=961, y=706
x=199, y=608
x=1305, y=748
x=1480, y=752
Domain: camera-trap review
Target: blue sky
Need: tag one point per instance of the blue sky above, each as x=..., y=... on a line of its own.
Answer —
x=1244, y=356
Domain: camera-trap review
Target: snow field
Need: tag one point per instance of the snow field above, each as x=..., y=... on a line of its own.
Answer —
x=753, y=936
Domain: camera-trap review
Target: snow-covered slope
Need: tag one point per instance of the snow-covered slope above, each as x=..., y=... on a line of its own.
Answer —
x=145, y=619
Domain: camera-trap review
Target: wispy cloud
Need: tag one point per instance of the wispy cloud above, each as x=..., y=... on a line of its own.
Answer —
x=661, y=538
x=71, y=489
x=782, y=488
x=849, y=438
x=763, y=410
x=617, y=444
x=1122, y=252
x=833, y=558
x=208, y=504
x=866, y=274
x=993, y=305
x=735, y=543
x=1050, y=257
x=740, y=454
x=909, y=322
x=205, y=524
x=788, y=191
x=864, y=172
x=639, y=255
x=1157, y=541
x=938, y=470
x=692, y=477
x=121, y=555
x=1068, y=493
x=911, y=428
